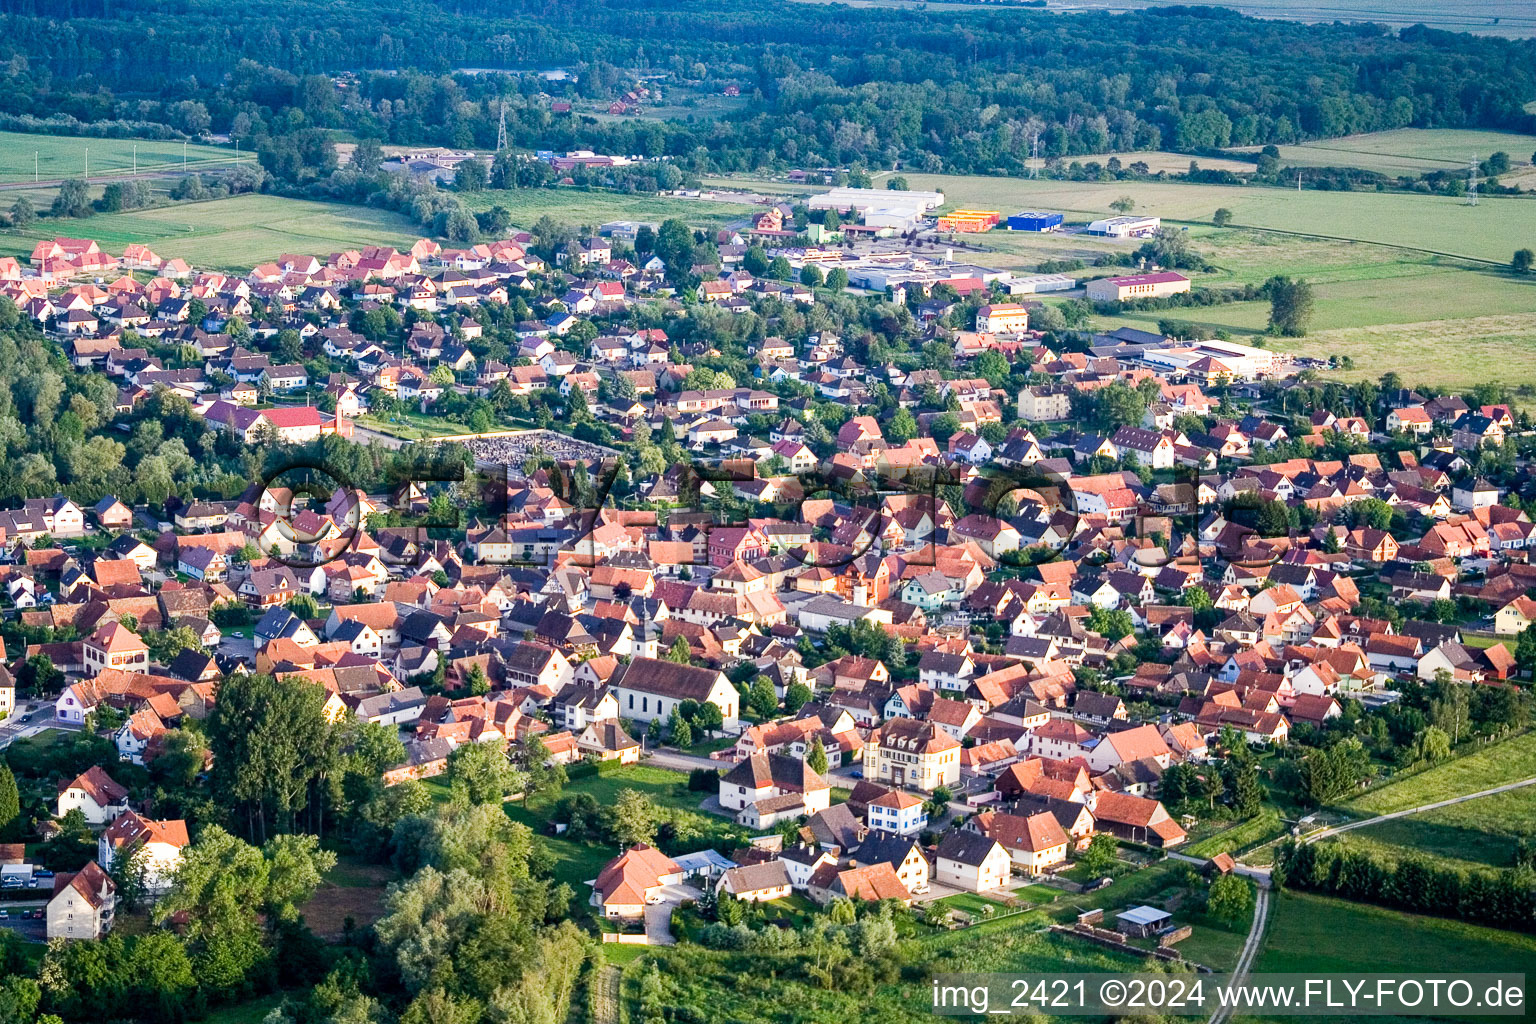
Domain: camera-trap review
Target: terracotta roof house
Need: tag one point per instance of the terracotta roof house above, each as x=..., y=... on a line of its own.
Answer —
x=1136, y=819
x=632, y=880
x=96, y=794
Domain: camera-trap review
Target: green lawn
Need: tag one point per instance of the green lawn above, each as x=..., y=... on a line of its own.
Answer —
x=703, y=747
x=1240, y=836
x=579, y=862
x=62, y=156
x=1493, y=765
x=1036, y=893
x=252, y=1012
x=1491, y=230
x=1477, y=834
x=1307, y=932
x=230, y=234
x=411, y=425
x=580, y=208
x=972, y=904
x=615, y=953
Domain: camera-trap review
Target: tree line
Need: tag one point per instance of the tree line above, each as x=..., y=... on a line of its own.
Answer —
x=930, y=96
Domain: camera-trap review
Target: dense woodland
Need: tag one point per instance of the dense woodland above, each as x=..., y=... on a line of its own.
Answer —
x=821, y=85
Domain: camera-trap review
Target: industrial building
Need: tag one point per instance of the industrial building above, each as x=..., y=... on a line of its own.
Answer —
x=859, y=200
x=968, y=221
x=1215, y=359
x=1034, y=220
x=1037, y=283
x=1126, y=227
x=1137, y=286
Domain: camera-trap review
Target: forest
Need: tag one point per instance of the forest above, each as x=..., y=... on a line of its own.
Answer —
x=821, y=85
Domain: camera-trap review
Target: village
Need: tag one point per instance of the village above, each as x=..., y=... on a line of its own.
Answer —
x=955, y=643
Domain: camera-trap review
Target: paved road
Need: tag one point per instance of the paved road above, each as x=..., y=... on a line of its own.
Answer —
x=42, y=718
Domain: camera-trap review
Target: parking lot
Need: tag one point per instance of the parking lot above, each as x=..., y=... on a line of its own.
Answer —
x=17, y=918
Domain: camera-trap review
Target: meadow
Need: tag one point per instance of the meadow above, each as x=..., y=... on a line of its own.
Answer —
x=1408, y=150
x=1478, y=834
x=239, y=232
x=1490, y=231
x=64, y=156
x=1308, y=932
x=230, y=234
x=1494, y=765
x=581, y=208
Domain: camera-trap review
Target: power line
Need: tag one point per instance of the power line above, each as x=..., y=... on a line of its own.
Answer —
x=501, y=128
x=1473, y=180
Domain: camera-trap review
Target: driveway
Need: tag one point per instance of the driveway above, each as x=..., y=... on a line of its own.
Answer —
x=241, y=648
x=658, y=916
x=683, y=762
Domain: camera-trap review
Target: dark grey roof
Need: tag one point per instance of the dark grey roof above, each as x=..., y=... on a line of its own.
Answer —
x=966, y=847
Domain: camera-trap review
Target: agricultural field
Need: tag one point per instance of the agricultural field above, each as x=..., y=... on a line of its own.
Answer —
x=230, y=234
x=62, y=156
x=582, y=208
x=1489, y=231
x=1477, y=834
x=1308, y=932
x=1494, y=765
x=1410, y=150
x=239, y=232
x=1488, y=348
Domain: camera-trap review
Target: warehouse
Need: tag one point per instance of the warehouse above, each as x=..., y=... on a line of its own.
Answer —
x=1126, y=227
x=1034, y=220
x=858, y=200
x=968, y=221
x=1037, y=283
x=1137, y=286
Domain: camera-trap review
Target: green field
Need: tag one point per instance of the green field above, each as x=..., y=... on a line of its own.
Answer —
x=1307, y=932
x=579, y=208
x=1440, y=224
x=1240, y=836
x=230, y=234
x=237, y=233
x=1509, y=761
x=60, y=156
x=1408, y=150
x=1477, y=834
